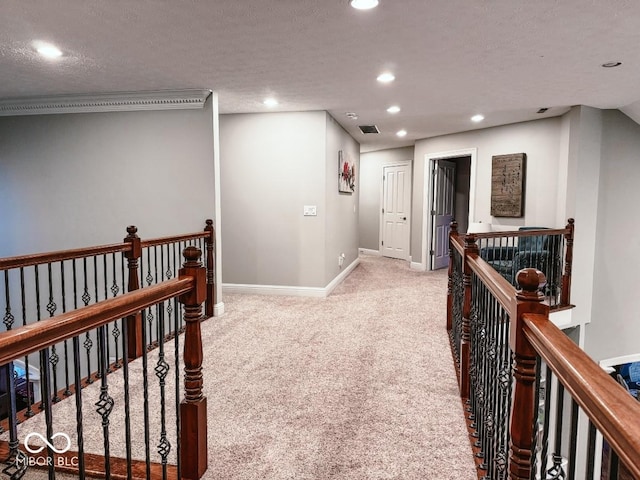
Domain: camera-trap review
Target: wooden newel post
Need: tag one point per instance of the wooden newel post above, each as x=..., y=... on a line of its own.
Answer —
x=211, y=291
x=523, y=409
x=193, y=408
x=470, y=249
x=134, y=322
x=453, y=232
x=568, y=261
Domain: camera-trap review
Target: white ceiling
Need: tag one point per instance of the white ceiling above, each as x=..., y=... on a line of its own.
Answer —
x=451, y=58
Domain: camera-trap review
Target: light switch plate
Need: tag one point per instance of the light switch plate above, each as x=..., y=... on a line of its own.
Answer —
x=310, y=211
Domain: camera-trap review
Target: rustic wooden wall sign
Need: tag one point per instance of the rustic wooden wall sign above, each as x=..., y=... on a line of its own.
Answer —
x=507, y=185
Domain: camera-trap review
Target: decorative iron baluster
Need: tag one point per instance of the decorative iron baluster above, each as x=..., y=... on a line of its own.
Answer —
x=127, y=412
x=162, y=369
x=105, y=274
x=105, y=403
x=67, y=379
x=54, y=358
x=77, y=375
x=29, y=413
x=145, y=390
x=115, y=332
x=16, y=464
x=88, y=343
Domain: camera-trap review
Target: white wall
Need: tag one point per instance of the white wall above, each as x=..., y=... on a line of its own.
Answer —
x=614, y=330
x=342, y=209
x=582, y=193
x=272, y=165
x=76, y=180
x=540, y=140
x=371, y=170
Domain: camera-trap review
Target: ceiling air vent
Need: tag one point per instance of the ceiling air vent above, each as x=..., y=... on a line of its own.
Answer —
x=368, y=129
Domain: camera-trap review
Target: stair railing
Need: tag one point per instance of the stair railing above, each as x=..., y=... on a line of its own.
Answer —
x=180, y=432
x=526, y=386
x=38, y=286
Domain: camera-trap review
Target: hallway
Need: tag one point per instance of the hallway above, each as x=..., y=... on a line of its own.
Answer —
x=359, y=385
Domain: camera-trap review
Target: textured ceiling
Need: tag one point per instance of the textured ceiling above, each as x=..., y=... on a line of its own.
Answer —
x=451, y=58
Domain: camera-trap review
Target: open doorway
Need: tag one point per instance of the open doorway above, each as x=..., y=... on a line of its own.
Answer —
x=449, y=195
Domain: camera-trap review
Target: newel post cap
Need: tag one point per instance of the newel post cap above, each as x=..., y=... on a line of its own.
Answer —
x=531, y=281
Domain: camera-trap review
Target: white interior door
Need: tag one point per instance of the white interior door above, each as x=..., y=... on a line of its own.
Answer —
x=444, y=195
x=396, y=209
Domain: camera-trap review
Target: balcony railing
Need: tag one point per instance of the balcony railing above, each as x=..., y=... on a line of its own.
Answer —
x=187, y=433
x=534, y=399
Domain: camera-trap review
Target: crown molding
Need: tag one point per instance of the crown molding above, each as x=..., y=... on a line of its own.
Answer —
x=110, y=102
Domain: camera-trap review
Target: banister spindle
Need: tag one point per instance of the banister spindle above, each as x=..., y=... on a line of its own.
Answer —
x=523, y=408
x=453, y=232
x=470, y=249
x=193, y=409
x=134, y=322
x=211, y=291
x=568, y=261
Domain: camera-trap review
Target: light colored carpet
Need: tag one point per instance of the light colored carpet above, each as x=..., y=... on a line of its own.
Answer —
x=359, y=385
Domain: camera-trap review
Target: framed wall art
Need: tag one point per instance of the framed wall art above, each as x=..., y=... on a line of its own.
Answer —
x=508, y=185
x=346, y=173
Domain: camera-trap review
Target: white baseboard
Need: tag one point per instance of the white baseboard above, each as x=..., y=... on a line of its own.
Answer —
x=318, y=292
x=340, y=278
x=218, y=309
x=420, y=267
x=367, y=251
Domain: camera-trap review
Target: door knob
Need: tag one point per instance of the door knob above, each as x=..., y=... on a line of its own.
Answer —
x=404, y=218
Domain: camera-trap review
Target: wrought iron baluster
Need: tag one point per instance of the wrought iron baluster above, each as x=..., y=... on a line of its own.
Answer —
x=54, y=358
x=162, y=369
x=127, y=411
x=546, y=419
x=29, y=413
x=45, y=379
x=115, y=332
x=591, y=451
x=67, y=379
x=105, y=403
x=77, y=376
x=107, y=351
x=88, y=343
x=78, y=398
x=16, y=464
x=145, y=389
x=100, y=352
x=573, y=439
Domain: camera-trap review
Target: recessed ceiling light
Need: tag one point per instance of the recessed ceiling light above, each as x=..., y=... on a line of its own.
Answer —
x=352, y=115
x=477, y=118
x=363, y=4
x=393, y=109
x=386, y=77
x=47, y=50
x=611, y=64
x=270, y=102
x=401, y=133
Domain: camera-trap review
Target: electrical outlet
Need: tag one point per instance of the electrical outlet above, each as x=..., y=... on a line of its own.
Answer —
x=310, y=211
x=341, y=258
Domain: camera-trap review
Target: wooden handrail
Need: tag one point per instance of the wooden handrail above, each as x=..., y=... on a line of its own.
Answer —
x=458, y=243
x=610, y=408
x=31, y=338
x=52, y=257
x=173, y=239
x=499, y=286
x=523, y=233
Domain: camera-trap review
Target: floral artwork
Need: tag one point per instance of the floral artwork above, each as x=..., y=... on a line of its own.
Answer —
x=346, y=174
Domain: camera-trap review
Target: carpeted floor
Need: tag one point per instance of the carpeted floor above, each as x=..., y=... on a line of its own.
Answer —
x=359, y=385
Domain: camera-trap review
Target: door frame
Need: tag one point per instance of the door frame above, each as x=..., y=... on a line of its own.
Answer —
x=406, y=163
x=427, y=199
